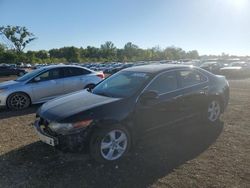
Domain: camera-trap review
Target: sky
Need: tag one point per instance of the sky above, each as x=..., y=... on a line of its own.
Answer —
x=209, y=26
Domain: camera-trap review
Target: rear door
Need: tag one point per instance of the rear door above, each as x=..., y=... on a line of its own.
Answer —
x=50, y=85
x=193, y=91
x=75, y=79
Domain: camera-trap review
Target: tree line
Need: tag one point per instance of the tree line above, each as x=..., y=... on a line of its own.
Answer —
x=16, y=39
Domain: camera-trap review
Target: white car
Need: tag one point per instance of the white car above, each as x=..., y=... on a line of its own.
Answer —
x=46, y=83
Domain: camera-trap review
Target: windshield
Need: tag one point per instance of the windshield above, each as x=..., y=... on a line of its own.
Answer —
x=29, y=75
x=122, y=85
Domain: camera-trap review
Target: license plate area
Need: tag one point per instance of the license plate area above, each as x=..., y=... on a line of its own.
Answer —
x=46, y=139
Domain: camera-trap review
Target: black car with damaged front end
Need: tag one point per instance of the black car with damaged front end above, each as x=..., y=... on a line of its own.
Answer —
x=107, y=120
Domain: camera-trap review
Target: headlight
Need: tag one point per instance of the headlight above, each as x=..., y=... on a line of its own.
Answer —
x=58, y=127
x=65, y=127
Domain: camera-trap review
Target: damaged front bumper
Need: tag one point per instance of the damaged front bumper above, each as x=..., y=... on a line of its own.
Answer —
x=73, y=142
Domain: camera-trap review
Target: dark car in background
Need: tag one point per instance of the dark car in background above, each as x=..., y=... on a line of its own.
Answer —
x=213, y=67
x=109, y=118
x=236, y=70
x=10, y=70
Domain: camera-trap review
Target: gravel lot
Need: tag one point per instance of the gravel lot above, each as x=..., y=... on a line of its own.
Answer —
x=190, y=154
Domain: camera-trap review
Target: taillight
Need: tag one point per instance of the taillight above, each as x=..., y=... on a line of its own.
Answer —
x=101, y=75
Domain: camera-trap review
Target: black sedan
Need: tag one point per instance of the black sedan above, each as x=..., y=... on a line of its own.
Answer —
x=107, y=119
x=8, y=70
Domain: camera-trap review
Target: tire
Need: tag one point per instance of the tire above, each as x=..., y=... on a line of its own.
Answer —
x=110, y=144
x=213, y=111
x=18, y=101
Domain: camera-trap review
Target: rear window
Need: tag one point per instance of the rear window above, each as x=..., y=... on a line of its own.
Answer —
x=164, y=83
x=51, y=75
x=74, y=71
x=190, y=77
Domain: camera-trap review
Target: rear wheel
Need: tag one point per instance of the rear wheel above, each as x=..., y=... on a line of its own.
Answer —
x=110, y=144
x=213, y=111
x=18, y=101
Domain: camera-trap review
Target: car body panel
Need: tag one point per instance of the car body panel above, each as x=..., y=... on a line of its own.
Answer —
x=46, y=90
x=72, y=104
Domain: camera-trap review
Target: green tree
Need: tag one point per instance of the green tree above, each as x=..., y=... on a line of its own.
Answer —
x=2, y=48
x=92, y=52
x=16, y=37
x=192, y=54
x=131, y=51
x=8, y=57
x=71, y=54
x=42, y=54
x=173, y=53
x=108, y=50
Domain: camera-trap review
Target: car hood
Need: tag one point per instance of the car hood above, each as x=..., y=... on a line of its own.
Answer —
x=68, y=105
x=10, y=83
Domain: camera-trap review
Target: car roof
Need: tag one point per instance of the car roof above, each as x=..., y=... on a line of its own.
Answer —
x=156, y=68
x=62, y=66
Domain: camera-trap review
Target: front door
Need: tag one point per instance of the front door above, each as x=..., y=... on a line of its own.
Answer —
x=163, y=110
x=48, y=85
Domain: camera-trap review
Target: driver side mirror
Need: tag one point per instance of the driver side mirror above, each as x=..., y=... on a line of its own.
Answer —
x=149, y=95
x=90, y=87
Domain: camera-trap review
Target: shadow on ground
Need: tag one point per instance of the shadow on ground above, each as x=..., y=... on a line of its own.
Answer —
x=155, y=156
x=6, y=113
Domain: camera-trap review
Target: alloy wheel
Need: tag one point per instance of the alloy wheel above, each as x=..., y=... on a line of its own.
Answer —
x=19, y=101
x=213, y=111
x=113, y=145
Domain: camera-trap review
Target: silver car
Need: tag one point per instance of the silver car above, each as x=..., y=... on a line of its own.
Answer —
x=45, y=84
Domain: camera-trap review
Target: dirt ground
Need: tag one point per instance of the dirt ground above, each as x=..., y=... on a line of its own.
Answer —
x=190, y=154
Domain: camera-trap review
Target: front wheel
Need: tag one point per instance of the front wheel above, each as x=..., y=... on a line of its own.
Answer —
x=18, y=101
x=213, y=111
x=110, y=144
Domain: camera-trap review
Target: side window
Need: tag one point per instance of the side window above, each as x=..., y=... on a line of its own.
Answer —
x=190, y=77
x=164, y=83
x=51, y=75
x=74, y=71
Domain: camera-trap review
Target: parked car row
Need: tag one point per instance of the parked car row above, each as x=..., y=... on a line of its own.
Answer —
x=228, y=68
x=232, y=70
